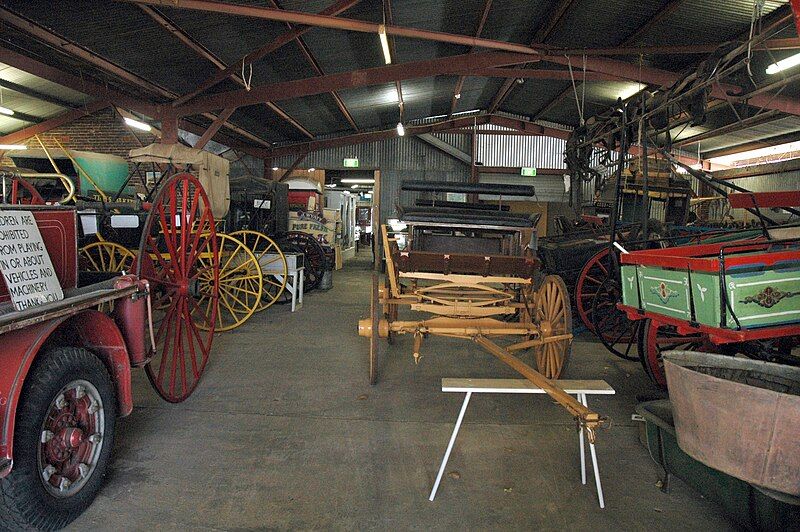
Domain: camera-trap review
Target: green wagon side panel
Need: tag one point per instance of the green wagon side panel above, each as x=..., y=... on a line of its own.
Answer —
x=705, y=295
x=765, y=297
x=664, y=291
x=630, y=292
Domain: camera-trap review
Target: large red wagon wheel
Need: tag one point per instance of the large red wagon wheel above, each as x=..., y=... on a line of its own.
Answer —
x=178, y=231
x=656, y=338
x=594, y=272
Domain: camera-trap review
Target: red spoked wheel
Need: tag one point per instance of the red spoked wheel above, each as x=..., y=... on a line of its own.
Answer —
x=24, y=193
x=656, y=338
x=591, y=278
x=178, y=233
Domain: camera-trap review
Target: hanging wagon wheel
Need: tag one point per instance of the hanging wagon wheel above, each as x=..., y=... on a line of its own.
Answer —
x=239, y=285
x=553, y=308
x=655, y=339
x=274, y=269
x=179, y=229
x=315, y=260
x=103, y=256
x=612, y=326
x=373, y=339
x=590, y=279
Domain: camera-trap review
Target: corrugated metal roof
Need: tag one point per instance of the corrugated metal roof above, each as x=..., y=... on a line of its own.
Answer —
x=124, y=34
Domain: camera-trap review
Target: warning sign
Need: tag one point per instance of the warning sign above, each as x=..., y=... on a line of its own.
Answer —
x=25, y=263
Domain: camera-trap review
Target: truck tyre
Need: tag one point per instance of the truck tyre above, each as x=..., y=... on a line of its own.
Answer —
x=62, y=441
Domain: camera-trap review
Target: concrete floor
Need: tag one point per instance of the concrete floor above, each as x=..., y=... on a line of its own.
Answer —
x=285, y=432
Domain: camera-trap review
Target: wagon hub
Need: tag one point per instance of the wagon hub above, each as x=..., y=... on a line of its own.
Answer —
x=71, y=439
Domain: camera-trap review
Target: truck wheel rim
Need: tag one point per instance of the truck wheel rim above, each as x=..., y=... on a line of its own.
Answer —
x=71, y=439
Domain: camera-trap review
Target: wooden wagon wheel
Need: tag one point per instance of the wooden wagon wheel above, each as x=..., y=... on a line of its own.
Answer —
x=179, y=229
x=656, y=338
x=389, y=309
x=616, y=332
x=103, y=256
x=553, y=308
x=238, y=284
x=274, y=269
x=315, y=261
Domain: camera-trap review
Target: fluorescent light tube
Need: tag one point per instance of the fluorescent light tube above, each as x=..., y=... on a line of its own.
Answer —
x=783, y=64
x=359, y=181
x=136, y=124
x=387, y=56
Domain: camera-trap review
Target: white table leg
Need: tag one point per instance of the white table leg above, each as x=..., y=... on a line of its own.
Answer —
x=302, y=280
x=450, y=446
x=582, y=399
x=294, y=290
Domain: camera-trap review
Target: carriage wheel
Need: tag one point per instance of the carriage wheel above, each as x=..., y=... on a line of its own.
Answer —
x=315, y=261
x=594, y=272
x=178, y=230
x=389, y=309
x=373, y=339
x=107, y=257
x=655, y=339
x=24, y=193
x=553, y=307
x=612, y=326
x=239, y=285
x=273, y=265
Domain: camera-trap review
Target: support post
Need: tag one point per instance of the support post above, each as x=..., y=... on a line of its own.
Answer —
x=169, y=129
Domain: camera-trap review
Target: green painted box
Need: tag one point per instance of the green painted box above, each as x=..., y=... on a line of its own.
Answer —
x=762, y=286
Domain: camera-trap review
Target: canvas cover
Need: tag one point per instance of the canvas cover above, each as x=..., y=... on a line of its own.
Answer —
x=212, y=170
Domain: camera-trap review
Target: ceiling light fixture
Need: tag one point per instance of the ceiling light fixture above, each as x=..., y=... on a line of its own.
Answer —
x=354, y=186
x=6, y=111
x=311, y=169
x=360, y=181
x=783, y=64
x=275, y=168
x=387, y=56
x=401, y=131
x=13, y=147
x=137, y=124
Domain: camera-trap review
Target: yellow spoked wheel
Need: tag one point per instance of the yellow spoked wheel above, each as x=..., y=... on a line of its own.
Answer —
x=554, y=315
x=239, y=285
x=104, y=256
x=272, y=261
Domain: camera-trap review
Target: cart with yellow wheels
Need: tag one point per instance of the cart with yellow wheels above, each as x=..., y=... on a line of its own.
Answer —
x=273, y=265
x=471, y=274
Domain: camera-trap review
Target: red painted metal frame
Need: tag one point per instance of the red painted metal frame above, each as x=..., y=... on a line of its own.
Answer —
x=705, y=257
x=716, y=334
x=756, y=200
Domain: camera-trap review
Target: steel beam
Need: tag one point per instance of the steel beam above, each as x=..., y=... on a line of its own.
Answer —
x=82, y=84
x=764, y=142
x=348, y=80
x=530, y=73
x=460, y=82
x=541, y=35
x=665, y=78
x=656, y=19
x=770, y=44
x=213, y=128
x=283, y=39
x=324, y=21
x=446, y=148
x=163, y=21
x=10, y=85
x=315, y=66
x=763, y=118
x=52, y=123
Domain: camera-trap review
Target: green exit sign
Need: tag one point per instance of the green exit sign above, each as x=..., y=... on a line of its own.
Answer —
x=351, y=163
x=528, y=171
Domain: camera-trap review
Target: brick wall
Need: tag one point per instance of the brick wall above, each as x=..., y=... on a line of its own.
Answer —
x=102, y=132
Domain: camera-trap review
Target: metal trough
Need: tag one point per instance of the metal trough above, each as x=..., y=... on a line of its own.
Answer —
x=739, y=416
